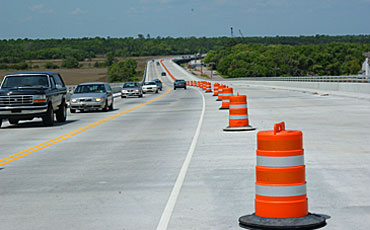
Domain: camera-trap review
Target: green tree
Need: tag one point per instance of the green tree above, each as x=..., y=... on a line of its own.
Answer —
x=70, y=62
x=122, y=71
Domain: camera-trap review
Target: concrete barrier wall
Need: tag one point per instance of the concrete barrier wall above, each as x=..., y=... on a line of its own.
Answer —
x=363, y=88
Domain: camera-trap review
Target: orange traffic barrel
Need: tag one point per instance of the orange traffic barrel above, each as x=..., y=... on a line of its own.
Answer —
x=204, y=85
x=208, y=87
x=220, y=90
x=215, y=89
x=201, y=84
x=281, y=199
x=198, y=84
x=226, y=93
x=238, y=114
x=187, y=82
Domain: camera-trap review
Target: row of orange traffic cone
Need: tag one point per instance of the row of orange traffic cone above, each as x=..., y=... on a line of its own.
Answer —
x=236, y=104
x=281, y=199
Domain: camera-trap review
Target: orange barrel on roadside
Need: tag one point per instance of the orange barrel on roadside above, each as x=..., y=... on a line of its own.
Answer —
x=238, y=114
x=281, y=197
x=187, y=82
x=208, y=87
x=198, y=84
x=204, y=85
x=215, y=89
x=220, y=90
x=280, y=174
x=226, y=93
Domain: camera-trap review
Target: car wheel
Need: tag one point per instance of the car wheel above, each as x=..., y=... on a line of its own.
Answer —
x=144, y=92
x=185, y=88
x=156, y=91
x=141, y=95
x=61, y=113
x=111, y=106
x=48, y=119
x=174, y=88
x=1, y=122
x=13, y=121
x=105, y=109
x=123, y=96
x=72, y=110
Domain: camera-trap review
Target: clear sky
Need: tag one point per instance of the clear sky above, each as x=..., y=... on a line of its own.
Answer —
x=181, y=18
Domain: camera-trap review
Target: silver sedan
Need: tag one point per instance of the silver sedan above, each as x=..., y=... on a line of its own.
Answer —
x=92, y=96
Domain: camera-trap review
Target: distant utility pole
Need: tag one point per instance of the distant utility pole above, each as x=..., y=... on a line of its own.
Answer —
x=241, y=34
x=232, y=32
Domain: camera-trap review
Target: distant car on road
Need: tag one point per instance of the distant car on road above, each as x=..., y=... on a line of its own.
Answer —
x=27, y=95
x=159, y=84
x=163, y=74
x=179, y=83
x=92, y=96
x=131, y=89
x=150, y=86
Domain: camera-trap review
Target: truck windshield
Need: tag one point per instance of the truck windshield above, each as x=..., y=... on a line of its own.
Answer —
x=25, y=81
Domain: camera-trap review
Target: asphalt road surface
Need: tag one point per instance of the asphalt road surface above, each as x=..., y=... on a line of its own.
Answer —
x=163, y=161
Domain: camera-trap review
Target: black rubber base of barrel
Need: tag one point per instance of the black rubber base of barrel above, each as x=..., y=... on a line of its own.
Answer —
x=311, y=221
x=219, y=100
x=243, y=128
x=214, y=95
x=209, y=92
x=222, y=108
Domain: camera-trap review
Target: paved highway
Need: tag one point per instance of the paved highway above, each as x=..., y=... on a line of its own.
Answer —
x=163, y=161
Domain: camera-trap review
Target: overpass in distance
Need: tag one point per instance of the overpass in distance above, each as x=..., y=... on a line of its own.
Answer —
x=164, y=161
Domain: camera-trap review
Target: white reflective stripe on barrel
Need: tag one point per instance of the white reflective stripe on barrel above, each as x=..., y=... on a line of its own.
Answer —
x=225, y=100
x=227, y=94
x=232, y=117
x=242, y=106
x=280, y=161
x=281, y=191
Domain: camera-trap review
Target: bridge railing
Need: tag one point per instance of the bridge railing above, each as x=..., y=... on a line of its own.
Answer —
x=344, y=79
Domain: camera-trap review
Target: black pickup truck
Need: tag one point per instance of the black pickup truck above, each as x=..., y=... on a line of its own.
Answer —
x=27, y=95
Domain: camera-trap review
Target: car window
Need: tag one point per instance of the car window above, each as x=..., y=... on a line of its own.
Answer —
x=58, y=80
x=129, y=85
x=25, y=81
x=52, y=83
x=97, y=88
x=108, y=87
x=149, y=83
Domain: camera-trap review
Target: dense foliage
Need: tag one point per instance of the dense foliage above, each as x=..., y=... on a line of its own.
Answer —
x=335, y=58
x=15, y=51
x=122, y=71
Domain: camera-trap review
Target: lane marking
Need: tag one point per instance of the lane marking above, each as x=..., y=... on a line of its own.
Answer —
x=43, y=145
x=167, y=213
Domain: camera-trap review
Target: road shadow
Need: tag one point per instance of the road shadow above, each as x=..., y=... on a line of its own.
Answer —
x=96, y=111
x=37, y=124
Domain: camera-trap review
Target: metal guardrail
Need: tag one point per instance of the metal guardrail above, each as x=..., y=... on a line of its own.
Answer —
x=343, y=79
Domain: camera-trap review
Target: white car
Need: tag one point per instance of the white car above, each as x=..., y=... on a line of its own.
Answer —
x=150, y=86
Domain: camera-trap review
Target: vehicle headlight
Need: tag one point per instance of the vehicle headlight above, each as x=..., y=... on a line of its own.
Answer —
x=136, y=90
x=124, y=91
x=73, y=100
x=99, y=99
x=39, y=98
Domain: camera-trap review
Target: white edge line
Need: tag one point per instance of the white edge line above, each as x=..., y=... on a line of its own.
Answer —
x=167, y=213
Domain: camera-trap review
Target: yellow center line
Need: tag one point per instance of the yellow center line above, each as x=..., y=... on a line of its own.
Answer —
x=77, y=131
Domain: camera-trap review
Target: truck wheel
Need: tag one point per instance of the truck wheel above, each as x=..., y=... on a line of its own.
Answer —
x=111, y=106
x=105, y=109
x=61, y=113
x=13, y=121
x=48, y=119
